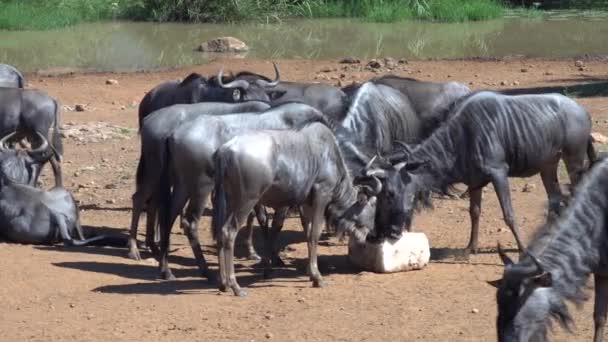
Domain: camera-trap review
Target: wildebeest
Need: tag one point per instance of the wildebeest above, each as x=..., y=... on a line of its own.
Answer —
x=29, y=111
x=190, y=163
x=10, y=77
x=155, y=130
x=556, y=266
x=330, y=100
x=285, y=169
x=489, y=138
x=196, y=88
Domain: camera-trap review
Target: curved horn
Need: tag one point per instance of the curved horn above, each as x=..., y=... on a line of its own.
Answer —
x=371, y=161
x=40, y=154
x=539, y=266
x=403, y=145
x=374, y=189
x=264, y=83
x=503, y=256
x=234, y=84
x=3, y=147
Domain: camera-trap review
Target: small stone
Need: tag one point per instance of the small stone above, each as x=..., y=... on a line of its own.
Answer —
x=110, y=186
x=403, y=61
x=326, y=69
x=475, y=310
x=548, y=73
x=581, y=69
x=503, y=83
x=528, y=187
x=471, y=83
x=524, y=70
x=269, y=316
x=349, y=60
x=579, y=64
x=269, y=335
x=374, y=64
x=390, y=62
x=515, y=83
x=301, y=300
x=123, y=107
x=449, y=76
x=476, y=75
x=342, y=75
x=72, y=305
x=111, y=82
x=79, y=108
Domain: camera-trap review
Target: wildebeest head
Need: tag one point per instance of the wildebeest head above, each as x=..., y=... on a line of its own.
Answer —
x=247, y=86
x=358, y=220
x=400, y=194
x=16, y=165
x=525, y=300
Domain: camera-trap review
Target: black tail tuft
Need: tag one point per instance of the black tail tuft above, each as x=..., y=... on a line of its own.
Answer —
x=219, y=196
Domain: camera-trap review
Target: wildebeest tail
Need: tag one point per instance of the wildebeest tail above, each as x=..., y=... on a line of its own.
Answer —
x=164, y=192
x=591, y=154
x=219, y=195
x=56, y=138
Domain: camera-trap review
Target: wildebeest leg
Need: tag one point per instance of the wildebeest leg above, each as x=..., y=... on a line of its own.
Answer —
x=271, y=255
x=474, y=212
x=152, y=232
x=137, y=207
x=575, y=164
x=548, y=174
x=228, y=238
x=601, y=303
x=190, y=221
x=56, y=171
x=259, y=212
x=501, y=185
x=312, y=237
x=163, y=263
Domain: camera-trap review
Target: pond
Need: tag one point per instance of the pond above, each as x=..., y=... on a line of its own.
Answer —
x=128, y=46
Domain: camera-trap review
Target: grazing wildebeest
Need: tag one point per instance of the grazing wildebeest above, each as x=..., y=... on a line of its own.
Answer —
x=281, y=169
x=489, y=138
x=190, y=163
x=196, y=88
x=556, y=266
x=29, y=111
x=155, y=130
x=10, y=77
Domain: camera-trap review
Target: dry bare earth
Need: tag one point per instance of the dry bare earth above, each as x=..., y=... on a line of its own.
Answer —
x=96, y=294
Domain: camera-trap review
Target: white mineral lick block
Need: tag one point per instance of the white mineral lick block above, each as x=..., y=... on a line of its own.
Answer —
x=410, y=252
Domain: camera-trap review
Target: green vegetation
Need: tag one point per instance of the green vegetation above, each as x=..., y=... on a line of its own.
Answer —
x=46, y=14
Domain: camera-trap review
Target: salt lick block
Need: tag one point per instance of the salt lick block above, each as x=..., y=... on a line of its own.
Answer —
x=410, y=252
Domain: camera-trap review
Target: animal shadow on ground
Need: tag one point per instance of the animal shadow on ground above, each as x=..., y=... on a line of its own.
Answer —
x=95, y=206
x=578, y=90
x=460, y=256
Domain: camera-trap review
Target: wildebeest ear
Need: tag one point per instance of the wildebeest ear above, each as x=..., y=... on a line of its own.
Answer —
x=236, y=94
x=496, y=283
x=275, y=94
x=543, y=280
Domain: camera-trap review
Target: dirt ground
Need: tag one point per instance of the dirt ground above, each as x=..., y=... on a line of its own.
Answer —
x=52, y=293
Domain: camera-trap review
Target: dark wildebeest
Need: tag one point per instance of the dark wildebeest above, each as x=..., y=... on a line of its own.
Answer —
x=190, y=163
x=196, y=88
x=29, y=111
x=10, y=77
x=556, y=266
x=155, y=130
x=329, y=100
x=281, y=169
x=489, y=138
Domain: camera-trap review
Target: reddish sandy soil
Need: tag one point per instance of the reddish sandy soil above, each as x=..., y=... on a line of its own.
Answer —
x=97, y=294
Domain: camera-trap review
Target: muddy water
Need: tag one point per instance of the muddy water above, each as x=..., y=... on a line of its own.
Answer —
x=135, y=46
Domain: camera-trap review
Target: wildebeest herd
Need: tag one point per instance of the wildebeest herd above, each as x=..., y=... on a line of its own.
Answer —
x=360, y=160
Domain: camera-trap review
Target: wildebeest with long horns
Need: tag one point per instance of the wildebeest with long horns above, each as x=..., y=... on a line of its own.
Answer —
x=286, y=169
x=190, y=151
x=29, y=112
x=196, y=88
x=155, y=130
x=10, y=77
x=489, y=138
x=556, y=266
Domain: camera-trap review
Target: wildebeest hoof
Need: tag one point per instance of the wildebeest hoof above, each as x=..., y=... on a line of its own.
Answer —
x=167, y=275
x=318, y=283
x=277, y=262
x=134, y=254
x=240, y=293
x=254, y=256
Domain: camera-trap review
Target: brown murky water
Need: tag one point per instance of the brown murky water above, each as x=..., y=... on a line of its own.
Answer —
x=110, y=46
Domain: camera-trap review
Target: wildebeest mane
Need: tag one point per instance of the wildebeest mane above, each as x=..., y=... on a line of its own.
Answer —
x=191, y=78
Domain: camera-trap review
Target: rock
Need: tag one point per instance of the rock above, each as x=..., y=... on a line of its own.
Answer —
x=79, y=108
x=326, y=69
x=269, y=316
x=579, y=64
x=374, y=64
x=548, y=73
x=223, y=45
x=410, y=252
x=581, y=69
x=111, y=201
x=403, y=61
x=599, y=138
x=528, y=187
x=475, y=310
x=515, y=83
x=111, y=82
x=269, y=335
x=390, y=62
x=349, y=60
x=503, y=83
x=524, y=70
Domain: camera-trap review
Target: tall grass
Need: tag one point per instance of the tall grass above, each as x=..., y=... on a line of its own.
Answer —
x=45, y=14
